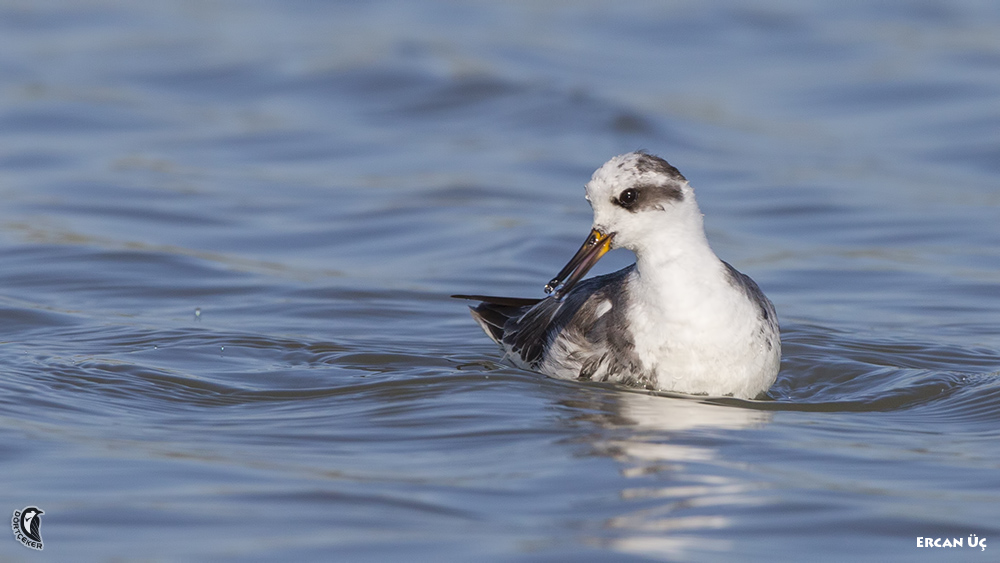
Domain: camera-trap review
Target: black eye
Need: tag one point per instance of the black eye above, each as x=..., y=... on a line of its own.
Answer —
x=628, y=197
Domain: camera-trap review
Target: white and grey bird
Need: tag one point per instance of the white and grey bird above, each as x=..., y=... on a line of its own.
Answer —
x=678, y=319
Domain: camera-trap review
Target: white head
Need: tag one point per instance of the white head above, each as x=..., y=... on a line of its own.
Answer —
x=641, y=203
x=641, y=200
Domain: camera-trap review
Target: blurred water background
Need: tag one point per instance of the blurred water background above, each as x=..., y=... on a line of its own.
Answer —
x=228, y=233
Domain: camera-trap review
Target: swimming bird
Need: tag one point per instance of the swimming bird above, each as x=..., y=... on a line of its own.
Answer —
x=679, y=319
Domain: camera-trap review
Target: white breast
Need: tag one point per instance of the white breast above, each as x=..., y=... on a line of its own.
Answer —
x=703, y=337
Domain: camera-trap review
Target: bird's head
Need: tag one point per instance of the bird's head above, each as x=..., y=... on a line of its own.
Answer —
x=641, y=203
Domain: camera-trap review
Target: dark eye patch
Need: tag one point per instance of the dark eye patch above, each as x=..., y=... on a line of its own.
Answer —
x=648, y=196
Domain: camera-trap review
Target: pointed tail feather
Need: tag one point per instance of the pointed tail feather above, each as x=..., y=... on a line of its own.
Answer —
x=493, y=313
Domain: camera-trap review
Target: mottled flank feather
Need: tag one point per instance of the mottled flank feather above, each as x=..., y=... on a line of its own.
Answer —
x=577, y=336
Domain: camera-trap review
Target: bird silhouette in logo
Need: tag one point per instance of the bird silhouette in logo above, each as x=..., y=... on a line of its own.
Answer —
x=30, y=522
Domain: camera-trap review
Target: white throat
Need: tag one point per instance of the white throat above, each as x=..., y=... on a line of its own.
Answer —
x=686, y=316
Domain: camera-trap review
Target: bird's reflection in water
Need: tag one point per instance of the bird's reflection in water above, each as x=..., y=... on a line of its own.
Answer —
x=685, y=492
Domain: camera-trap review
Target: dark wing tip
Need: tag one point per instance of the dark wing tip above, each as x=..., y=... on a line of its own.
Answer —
x=502, y=301
x=494, y=314
x=490, y=321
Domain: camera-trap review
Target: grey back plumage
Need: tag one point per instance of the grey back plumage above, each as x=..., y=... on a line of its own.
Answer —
x=584, y=328
x=753, y=292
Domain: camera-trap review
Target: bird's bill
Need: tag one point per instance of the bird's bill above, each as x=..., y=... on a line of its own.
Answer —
x=596, y=245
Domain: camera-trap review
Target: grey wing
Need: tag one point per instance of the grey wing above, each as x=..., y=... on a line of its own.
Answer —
x=494, y=312
x=525, y=327
x=583, y=335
